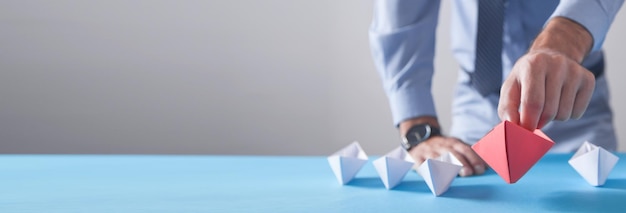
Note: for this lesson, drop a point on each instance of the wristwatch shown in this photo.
(417, 134)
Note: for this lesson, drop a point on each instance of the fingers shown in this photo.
(576, 94)
(418, 161)
(468, 169)
(508, 107)
(566, 104)
(544, 87)
(477, 164)
(583, 97)
(434, 147)
(554, 85)
(419, 155)
(532, 98)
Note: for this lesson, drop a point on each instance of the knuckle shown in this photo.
(431, 155)
(535, 69)
(559, 57)
(579, 74)
(543, 58)
(537, 58)
(590, 80)
(421, 148)
(532, 105)
(462, 147)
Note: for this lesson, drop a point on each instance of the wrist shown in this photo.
(418, 133)
(407, 124)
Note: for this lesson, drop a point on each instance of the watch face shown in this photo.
(422, 133)
(416, 134)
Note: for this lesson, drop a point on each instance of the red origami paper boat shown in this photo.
(512, 150)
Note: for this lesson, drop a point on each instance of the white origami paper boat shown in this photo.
(393, 167)
(593, 163)
(439, 173)
(346, 162)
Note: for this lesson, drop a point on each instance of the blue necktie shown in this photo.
(487, 76)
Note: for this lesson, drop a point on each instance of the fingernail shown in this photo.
(465, 172)
(479, 169)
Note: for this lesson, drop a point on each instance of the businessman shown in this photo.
(536, 63)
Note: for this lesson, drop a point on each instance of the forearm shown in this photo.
(564, 36)
(596, 16)
(402, 40)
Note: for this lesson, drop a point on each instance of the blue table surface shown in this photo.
(136, 183)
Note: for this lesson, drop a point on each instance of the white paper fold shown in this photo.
(439, 173)
(346, 162)
(593, 163)
(393, 167)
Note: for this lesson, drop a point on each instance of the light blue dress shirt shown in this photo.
(402, 40)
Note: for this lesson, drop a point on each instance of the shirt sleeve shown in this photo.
(402, 41)
(595, 15)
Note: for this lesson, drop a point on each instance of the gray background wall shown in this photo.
(207, 77)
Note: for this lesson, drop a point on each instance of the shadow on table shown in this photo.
(412, 186)
(405, 185)
(594, 199)
(583, 201)
(475, 192)
(366, 182)
(615, 184)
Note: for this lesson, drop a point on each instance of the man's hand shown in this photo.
(438, 145)
(545, 86)
(548, 83)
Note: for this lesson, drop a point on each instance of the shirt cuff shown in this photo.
(410, 101)
(595, 15)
